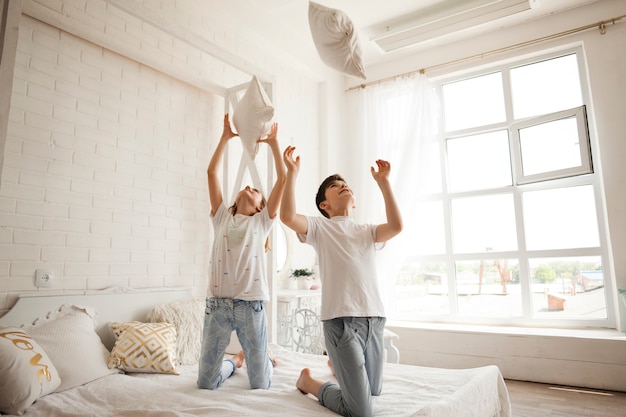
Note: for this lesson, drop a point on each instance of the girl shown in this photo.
(238, 282)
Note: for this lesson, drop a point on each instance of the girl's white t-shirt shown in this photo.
(237, 268)
(346, 253)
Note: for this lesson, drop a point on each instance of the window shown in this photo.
(513, 234)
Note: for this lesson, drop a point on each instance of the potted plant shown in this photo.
(302, 276)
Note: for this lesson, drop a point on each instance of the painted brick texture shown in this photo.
(104, 181)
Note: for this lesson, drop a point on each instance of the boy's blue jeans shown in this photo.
(355, 347)
(248, 319)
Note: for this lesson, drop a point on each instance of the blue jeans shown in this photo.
(356, 350)
(248, 319)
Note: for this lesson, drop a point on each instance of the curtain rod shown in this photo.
(600, 25)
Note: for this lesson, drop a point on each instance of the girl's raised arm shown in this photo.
(215, 187)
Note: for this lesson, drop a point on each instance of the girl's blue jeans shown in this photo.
(248, 319)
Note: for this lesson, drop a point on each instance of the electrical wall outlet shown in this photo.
(43, 278)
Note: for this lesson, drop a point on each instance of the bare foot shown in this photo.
(238, 358)
(273, 359)
(304, 380)
(307, 384)
(330, 365)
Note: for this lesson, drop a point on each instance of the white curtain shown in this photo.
(396, 121)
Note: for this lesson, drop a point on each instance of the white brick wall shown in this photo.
(104, 180)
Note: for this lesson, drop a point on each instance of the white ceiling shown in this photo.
(284, 23)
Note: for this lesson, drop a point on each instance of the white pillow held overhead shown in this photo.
(336, 40)
(253, 116)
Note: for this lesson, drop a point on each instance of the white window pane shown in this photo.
(429, 236)
(474, 102)
(479, 161)
(561, 218)
(483, 224)
(569, 287)
(546, 87)
(488, 288)
(550, 146)
(421, 289)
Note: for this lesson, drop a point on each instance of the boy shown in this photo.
(352, 312)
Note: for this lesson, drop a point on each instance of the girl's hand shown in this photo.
(272, 136)
(227, 132)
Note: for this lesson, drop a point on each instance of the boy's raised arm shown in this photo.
(386, 231)
(288, 215)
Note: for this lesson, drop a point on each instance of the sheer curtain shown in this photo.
(395, 121)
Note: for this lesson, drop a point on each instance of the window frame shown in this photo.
(584, 146)
(584, 175)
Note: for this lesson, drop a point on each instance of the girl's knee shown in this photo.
(207, 385)
(260, 384)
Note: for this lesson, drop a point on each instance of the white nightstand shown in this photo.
(299, 326)
(393, 354)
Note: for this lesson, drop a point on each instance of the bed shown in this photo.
(407, 390)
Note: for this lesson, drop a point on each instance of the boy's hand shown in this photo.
(293, 165)
(227, 132)
(384, 168)
(272, 137)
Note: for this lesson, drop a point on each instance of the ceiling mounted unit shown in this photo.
(457, 16)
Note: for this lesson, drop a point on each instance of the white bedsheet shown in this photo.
(407, 391)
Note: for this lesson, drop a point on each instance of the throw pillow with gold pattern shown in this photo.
(144, 347)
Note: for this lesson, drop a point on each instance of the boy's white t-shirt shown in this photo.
(346, 252)
(237, 267)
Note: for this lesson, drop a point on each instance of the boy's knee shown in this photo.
(365, 411)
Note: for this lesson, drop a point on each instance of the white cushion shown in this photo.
(26, 371)
(144, 347)
(69, 338)
(253, 116)
(336, 40)
(188, 318)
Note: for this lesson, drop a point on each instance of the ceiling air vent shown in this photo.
(455, 16)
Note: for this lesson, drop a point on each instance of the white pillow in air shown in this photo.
(336, 40)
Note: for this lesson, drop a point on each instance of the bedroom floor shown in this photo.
(530, 399)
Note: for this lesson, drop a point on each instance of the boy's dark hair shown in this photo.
(321, 192)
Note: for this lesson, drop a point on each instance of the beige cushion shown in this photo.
(253, 116)
(26, 371)
(188, 319)
(144, 347)
(69, 338)
(336, 40)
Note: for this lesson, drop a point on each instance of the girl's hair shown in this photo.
(233, 210)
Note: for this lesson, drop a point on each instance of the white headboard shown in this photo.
(110, 306)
